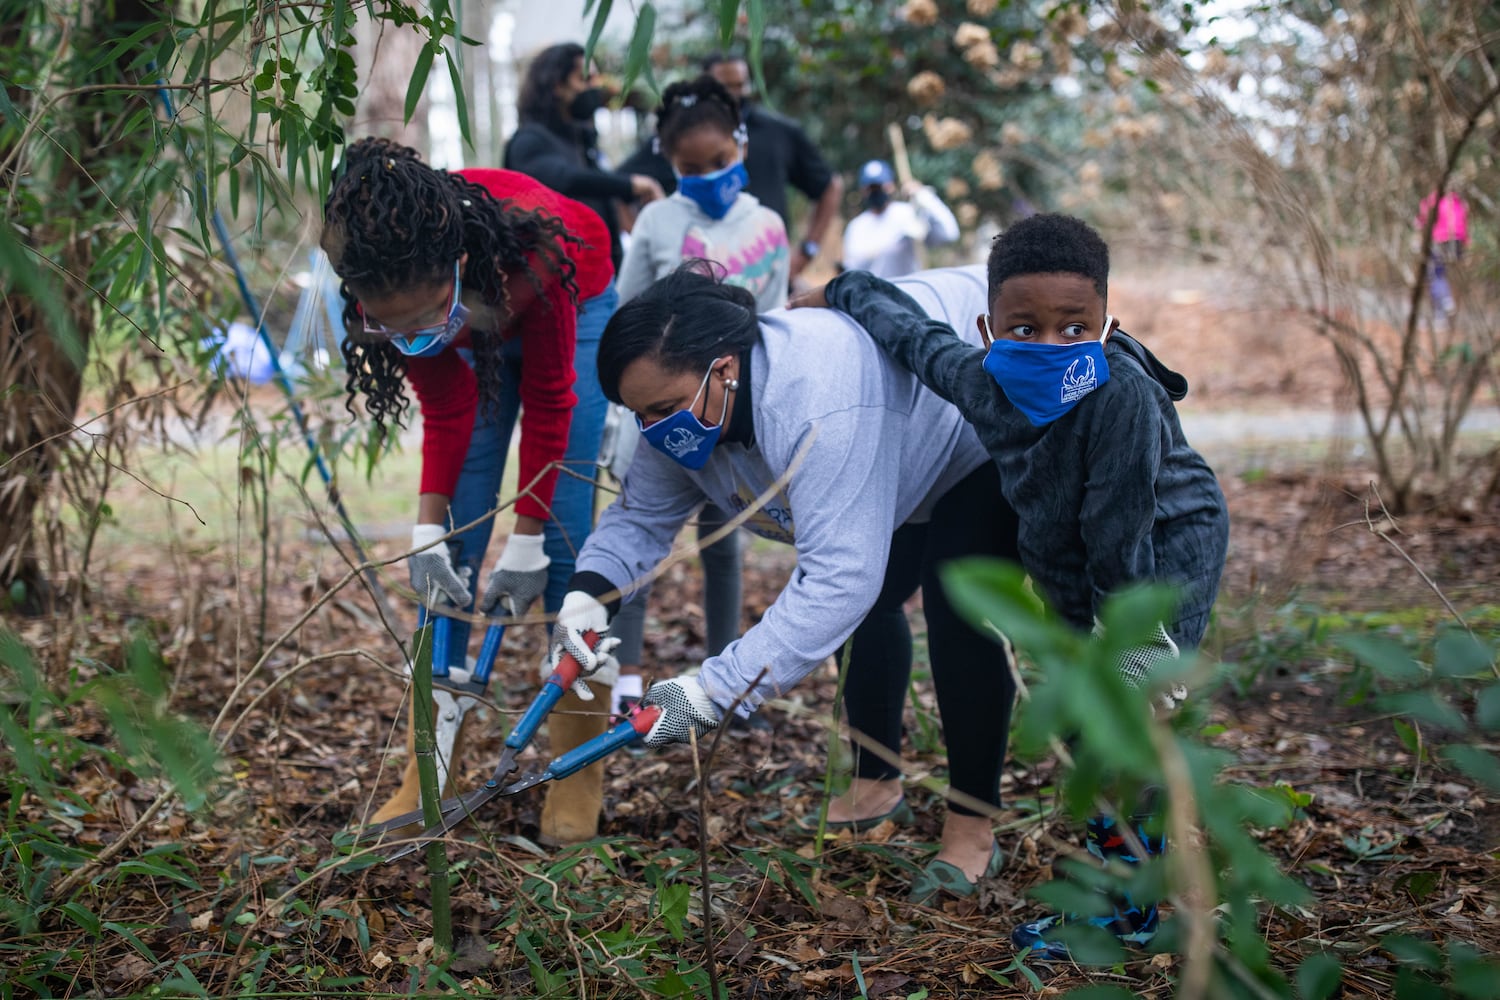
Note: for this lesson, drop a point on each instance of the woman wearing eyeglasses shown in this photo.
(474, 286)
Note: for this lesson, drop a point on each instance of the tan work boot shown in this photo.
(409, 796)
(570, 813)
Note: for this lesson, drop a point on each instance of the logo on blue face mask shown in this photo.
(681, 436)
(1045, 381)
(715, 193)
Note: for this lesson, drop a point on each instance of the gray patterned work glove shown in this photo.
(686, 710)
(519, 576)
(431, 570)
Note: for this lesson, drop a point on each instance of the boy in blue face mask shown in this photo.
(1080, 419)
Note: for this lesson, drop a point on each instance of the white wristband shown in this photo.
(423, 535)
(523, 553)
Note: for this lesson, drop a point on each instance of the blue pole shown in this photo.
(277, 372)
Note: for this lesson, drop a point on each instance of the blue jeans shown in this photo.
(484, 467)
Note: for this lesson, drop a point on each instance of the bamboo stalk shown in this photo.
(425, 741)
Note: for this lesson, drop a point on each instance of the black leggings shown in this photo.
(974, 685)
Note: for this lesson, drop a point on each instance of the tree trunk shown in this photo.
(65, 195)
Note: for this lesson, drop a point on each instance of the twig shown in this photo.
(323, 599)
(1385, 537)
(74, 428)
(286, 676)
(700, 769)
(1194, 900)
(67, 885)
(692, 548)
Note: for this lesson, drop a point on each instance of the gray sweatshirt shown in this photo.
(750, 243)
(880, 451)
(1109, 494)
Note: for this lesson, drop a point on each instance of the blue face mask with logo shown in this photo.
(1045, 381)
(715, 193)
(681, 436)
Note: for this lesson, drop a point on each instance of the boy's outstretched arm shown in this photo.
(926, 347)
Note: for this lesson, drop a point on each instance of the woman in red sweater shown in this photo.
(472, 286)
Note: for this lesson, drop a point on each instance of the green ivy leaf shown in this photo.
(1481, 765)
(1427, 706)
(1389, 659)
(1487, 708)
(1319, 976)
(1459, 654)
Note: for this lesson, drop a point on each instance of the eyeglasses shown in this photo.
(458, 315)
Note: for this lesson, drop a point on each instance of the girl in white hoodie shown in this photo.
(709, 217)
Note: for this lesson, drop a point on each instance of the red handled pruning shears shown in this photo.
(455, 811)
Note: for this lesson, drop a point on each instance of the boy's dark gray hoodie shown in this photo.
(1108, 495)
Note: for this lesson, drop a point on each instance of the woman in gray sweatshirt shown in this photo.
(873, 479)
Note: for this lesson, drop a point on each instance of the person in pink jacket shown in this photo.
(1450, 233)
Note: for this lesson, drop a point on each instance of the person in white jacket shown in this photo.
(885, 237)
(709, 217)
(875, 481)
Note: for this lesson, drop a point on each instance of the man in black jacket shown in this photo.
(557, 144)
(777, 153)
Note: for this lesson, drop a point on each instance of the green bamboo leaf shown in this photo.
(729, 12)
(10, 116)
(418, 79)
(1101, 991)
(455, 74)
(639, 53)
(135, 942)
(24, 273)
(140, 866)
(600, 17)
(757, 11)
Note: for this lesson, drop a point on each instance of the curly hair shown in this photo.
(391, 222)
(1050, 244)
(691, 104)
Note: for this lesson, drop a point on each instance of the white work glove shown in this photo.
(519, 576)
(431, 570)
(583, 613)
(1136, 664)
(686, 711)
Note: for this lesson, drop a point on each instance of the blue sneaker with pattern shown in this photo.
(1131, 924)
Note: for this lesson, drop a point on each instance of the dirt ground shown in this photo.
(326, 743)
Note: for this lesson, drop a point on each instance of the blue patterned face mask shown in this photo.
(1045, 381)
(715, 193)
(681, 436)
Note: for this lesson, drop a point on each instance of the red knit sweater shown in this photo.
(448, 393)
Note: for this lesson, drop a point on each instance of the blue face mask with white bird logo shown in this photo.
(1045, 381)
